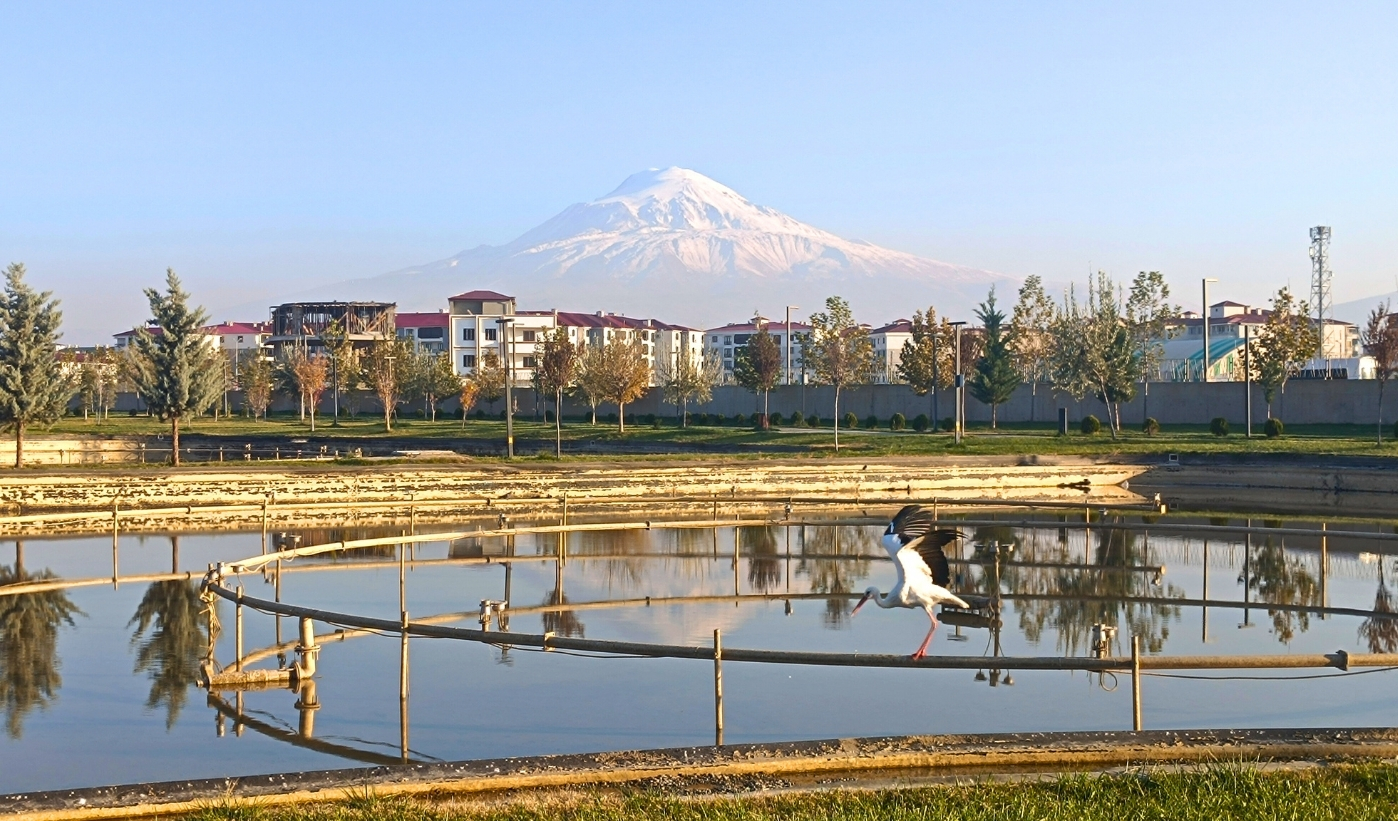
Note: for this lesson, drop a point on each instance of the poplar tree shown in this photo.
(33, 386)
(993, 381)
(1029, 335)
(177, 373)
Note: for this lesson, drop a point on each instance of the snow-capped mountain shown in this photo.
(673, 244)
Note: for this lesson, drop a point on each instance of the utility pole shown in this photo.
(505, 328)
(960, 420)
(1205, 328)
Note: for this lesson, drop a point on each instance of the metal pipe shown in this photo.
(238, 631)
(1136, 683)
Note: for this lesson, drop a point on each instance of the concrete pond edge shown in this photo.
(967, 755)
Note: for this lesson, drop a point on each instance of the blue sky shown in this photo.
(255, 145)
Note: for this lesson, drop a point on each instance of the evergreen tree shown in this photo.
(177, 373)
(994, 379)
(33, 386)
(758, 366)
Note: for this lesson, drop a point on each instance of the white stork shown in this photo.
(916, 548)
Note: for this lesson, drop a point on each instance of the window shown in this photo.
(742, 339)
(529, 337)
(728, 340)
(429, 333)
(530, 362)
(490, 334)
(240, 340)
(468, 334)
(468, 361)
(713, 339)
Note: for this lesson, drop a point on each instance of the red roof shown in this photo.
(897, 326)
(432, 319)
(239, 328)
(492, 295)
(577, 320)
(748, 327)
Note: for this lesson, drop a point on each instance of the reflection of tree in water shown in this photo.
(626, 573)
(759, 546)
(29, 661)
(1073, 615)
(1282, 579)
(562, 622)
(837, 576)
(170, 639)
(1381, 632)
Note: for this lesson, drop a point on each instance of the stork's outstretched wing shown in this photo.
(916, 531)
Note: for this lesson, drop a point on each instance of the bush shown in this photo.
(648, 419)
(1218, 426)
(1273, 428)
(502, 414)
(813, 421)
(1091, 425)
(774, 419)
(850, 421)
(1151, 427)
(654, 421)
(798, 419)
(739, 419)
(871, 422)
(921, 423)
(611, 418)
(897, 422)
(548, 416)
(420, 413)
(949, 424)
(480, 413)
(760, 421)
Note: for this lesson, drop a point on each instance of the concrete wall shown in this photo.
(1304, 401)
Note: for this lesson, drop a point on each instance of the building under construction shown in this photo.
(304, 323)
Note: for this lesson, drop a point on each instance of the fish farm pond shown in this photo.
(108, 643)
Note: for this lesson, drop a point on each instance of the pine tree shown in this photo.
(177, 373)
(33, 386)
(994, 379)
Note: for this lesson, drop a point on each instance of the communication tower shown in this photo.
(1321, 278)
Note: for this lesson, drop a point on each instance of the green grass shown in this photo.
(1354, 793)
(537, 437)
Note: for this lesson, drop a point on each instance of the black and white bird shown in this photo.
(923, 574)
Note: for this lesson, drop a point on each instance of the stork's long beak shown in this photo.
(861, 604)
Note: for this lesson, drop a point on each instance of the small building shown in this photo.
(723, 344)
(888, 344)
(425, 331)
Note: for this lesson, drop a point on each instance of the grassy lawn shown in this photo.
(1355, 793)
(532, 437)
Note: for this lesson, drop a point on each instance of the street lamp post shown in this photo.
(789, 309)
(505, 326)
(1247, 373)
(1205, 327)
(960, 421)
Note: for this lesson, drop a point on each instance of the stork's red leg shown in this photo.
(922, 650)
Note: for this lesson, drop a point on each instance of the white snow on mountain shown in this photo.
(673, 244)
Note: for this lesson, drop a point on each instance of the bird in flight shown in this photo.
(915, 545)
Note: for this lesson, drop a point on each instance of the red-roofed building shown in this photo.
(888, 344)
(427, 331)
(724, 344)
(230, 338)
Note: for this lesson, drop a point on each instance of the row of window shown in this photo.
(469, 361)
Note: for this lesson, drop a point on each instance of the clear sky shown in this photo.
(257, 147)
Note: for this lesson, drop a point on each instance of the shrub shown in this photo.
(897, 422)
(1273, 428)
(949, 424)
(850, 421)
(774, 419)
(759, 421)
(654, 421)
(480, 413)
(798, 419)
(921, 423)
(739, 419)
(1151, 427)
(1091, 425)
(548, 416)
(871, 422)
(813, 421)
(611, 418)
(131, 412)
(502, 414)
(648, 419)
(1218, 426)
(460, 413)
(420, 413)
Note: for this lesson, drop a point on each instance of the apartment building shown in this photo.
(725, 342)
(888, 344)
(425, 331)
(229, 338)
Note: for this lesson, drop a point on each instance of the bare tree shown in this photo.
(311, 372)
(838, 351)
(380, 370)
(683, 381)
(1381, 342)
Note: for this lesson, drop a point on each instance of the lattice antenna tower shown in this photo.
(1321, 281)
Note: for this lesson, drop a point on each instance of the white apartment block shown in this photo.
(229, 338)
(724, 344)
(888, 344)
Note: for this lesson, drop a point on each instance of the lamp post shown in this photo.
(960, 420)
(1247, 373)
(505, 325)
(789, 309)
(1205, 326)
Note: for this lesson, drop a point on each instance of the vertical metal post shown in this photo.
(116, 530)
(959, 422)
(238, 631)
(736, 557)
(1136, 683)
(402, 578)
(403, 691)
(718, 688)
(503, 344)
(1324, 569)
(1206, 591)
